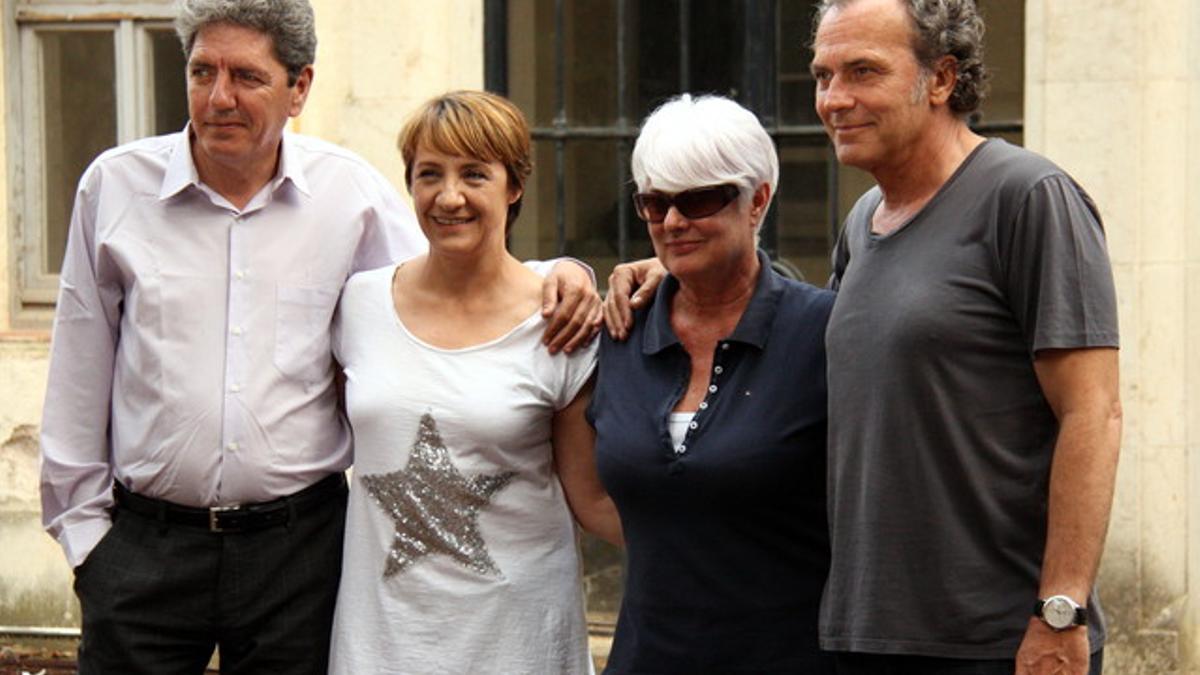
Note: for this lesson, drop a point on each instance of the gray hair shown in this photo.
(942, 28)
(289, 24)
(708, 140)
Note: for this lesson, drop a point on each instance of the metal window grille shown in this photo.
(763, 28)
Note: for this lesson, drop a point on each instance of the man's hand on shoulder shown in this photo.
(572, 305)
(1045, 651)
(642, 276)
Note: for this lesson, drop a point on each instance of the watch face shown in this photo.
(1058, 612)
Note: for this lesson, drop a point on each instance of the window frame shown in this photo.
(33, 289)
(759, 77)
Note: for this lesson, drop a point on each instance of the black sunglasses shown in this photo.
(701, 202)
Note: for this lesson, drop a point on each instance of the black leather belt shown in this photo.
(239, 518)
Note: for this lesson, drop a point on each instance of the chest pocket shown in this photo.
(302, 324)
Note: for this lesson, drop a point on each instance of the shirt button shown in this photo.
(712, 388)
(681, 449)
(724, 346)
(240, 274)
(235, 388)
(693, 425)
(718, 370)
(233, 446)
(704, 405)
(237, 330)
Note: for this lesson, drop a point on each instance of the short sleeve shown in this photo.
(573, 371)
(854, 228)
(1056, 270)
(543, 268)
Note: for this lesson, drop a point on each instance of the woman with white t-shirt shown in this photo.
(470, 437)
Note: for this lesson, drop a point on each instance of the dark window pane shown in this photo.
(531, 60)
(796, 91)
(170, 85)
(656, 73)
(802, 204)
(591, 58)
(716, 38)
(1005, 58)
(535, 232)
(80, 122)
(592, 196)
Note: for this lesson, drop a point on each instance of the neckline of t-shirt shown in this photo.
(937, 197)
(391, 308)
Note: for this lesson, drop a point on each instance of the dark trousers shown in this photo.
(853, 663)
(157, 597)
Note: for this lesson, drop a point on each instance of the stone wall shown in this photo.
(1111, 94)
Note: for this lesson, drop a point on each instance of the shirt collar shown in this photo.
(290, 166)
(752, 329)
(181, 168)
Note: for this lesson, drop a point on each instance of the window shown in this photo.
(586, 73)
(84, 79)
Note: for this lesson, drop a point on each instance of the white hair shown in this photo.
(708, 140)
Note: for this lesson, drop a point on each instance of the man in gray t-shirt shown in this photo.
(974, 414)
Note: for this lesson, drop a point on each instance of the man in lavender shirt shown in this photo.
(193, 451)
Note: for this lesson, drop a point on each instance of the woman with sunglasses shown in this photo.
(470, 437)
(710, 417)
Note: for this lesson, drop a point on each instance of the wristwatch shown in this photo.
(1060, 612)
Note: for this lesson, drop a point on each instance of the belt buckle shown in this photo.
(214, 512)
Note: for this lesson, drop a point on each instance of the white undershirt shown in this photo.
(677, 424)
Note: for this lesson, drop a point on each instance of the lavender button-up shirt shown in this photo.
(191, 357)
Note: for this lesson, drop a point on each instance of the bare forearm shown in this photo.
(1081, 491)
(599, 517)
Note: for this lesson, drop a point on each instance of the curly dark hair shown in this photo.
(942, 28)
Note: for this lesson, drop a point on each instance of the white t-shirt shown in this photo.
(461, 552)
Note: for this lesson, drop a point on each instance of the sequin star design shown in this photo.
(435, 508)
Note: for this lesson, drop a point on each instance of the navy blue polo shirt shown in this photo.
(727, 542)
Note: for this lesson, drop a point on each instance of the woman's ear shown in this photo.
(759, 203)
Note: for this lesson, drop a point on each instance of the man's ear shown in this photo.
(300, 90)
(942, 80)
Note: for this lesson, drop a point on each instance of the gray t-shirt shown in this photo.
(940, 438)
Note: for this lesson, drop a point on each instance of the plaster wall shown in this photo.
(377, 60)
(1112, 96)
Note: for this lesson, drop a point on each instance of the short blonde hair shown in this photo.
(472, 124)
